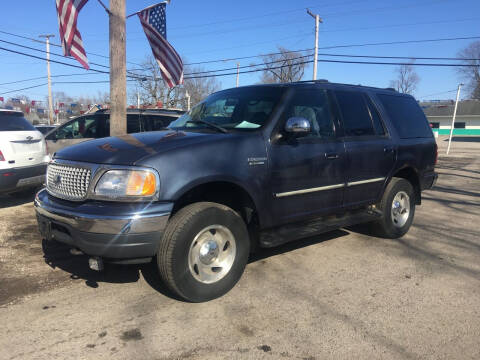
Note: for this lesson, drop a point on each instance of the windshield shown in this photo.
(236, 109)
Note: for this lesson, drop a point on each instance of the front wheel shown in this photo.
(204, 251)
(398, 208)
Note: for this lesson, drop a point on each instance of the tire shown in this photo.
(398, 208)
(203, 252)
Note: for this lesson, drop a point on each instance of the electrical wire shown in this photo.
(17, 90)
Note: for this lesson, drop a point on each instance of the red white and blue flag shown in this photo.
(154, 24)
(72, 44)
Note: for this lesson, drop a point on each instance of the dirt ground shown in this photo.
(343, 294)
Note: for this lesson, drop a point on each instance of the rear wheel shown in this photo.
(398, 208)
(204, 251)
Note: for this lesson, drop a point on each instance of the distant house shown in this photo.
(440, 113)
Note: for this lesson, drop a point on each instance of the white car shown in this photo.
(23, 153)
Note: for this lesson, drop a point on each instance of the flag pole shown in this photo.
(148, 7)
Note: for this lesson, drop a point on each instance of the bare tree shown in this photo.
(283, 67)
(407, 79)
(152, 89)
(471, 74)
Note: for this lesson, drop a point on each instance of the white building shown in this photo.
(440, 113)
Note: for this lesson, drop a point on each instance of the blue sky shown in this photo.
(215, 29)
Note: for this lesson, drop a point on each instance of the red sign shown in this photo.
(33, 102)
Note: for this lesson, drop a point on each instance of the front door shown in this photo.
(370, 151)
(307, 172)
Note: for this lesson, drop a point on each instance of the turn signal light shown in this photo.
(2, 158)
(141, 183)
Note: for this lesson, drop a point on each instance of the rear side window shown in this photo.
(15, 123)
(355, 114)
(407, 117)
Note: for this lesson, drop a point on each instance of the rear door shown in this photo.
(370, 151)
(81, 129)
(20, 143)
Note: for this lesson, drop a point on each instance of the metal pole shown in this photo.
(453, 119)
(238, 73)
(50, 101)
(318, 20)
(187, 95)
(315, 57)
(118, 69)
(138, 99)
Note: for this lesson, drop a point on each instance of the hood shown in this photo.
(131, 148)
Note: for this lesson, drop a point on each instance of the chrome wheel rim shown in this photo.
(400, 209)
(212, 254)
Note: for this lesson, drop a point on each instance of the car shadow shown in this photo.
(264, 253)
(20, 198)
(465, 138)
(58, 256)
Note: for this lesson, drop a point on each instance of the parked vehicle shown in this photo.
(44, 129)
(248, 167)
(97, 125)
(23, 153)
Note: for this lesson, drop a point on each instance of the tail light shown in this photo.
(46, 147)
(436, 154)
(2, 158)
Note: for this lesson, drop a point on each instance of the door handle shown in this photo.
(331, 156)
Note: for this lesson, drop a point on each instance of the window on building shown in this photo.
(459, 125)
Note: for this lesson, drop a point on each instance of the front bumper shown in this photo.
(106, 229)
(17, 178)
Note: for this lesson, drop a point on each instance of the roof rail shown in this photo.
(391, 89)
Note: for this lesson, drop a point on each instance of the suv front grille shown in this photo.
(68, 182)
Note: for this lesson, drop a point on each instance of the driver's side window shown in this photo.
(314, 106)
(81, 128)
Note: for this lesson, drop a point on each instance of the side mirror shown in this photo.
(297, 126)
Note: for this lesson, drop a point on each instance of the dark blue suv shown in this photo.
(249, 167)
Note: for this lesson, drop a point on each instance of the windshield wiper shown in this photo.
(209, 124)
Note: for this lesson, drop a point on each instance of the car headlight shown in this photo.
(127, 184)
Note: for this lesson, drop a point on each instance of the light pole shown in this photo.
(318, 20)
(453, 119)
(238, 73)
(50, 101)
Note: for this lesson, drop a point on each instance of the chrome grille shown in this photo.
(68, 181)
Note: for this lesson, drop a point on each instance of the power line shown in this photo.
(30, 87)
(338, 46)
(58, 62)
(398, 57)
(43, 77)
(439, 93)
(59, 46)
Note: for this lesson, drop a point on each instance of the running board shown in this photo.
(283, 234)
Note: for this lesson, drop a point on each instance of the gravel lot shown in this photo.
(340, 295)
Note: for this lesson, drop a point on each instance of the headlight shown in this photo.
(127, 183)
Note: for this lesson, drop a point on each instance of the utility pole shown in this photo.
(50, 101)
(318, 20)
(238, 73)
(454, 116)
(118, 69)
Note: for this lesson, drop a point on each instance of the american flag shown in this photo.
(154, 24)
(67, 11)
